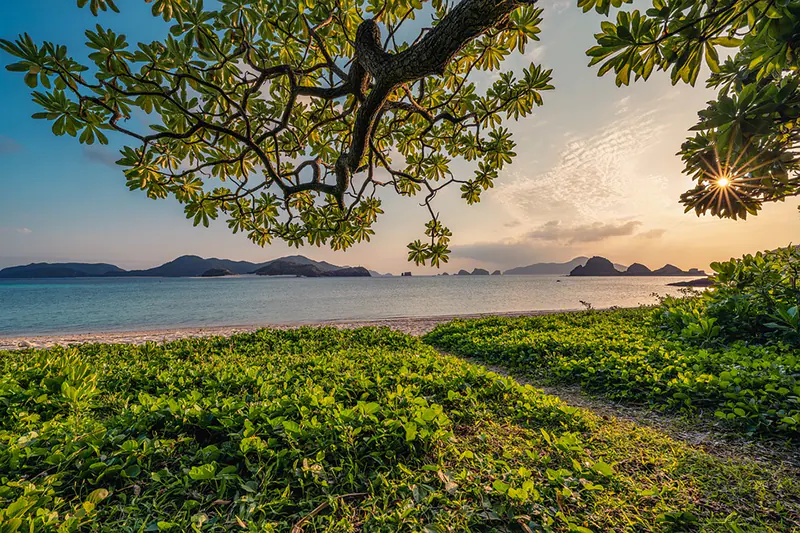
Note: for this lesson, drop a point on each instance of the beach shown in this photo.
(409, 325)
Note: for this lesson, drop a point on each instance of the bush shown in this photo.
(754, 299)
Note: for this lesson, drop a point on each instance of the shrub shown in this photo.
(754, 299)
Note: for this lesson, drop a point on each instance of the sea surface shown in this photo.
(93, 305)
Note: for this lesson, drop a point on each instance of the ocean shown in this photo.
(93, 305)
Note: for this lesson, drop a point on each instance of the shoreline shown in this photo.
(409, 325)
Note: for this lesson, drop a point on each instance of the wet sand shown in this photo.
(410, 325)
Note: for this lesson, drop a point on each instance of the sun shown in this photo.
(723, 181)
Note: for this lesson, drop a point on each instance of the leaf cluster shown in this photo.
(743, 154)
(263, 112)
(755, 299)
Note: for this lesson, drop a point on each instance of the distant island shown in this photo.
(61, 270)
(545, 269)
(552, 269)
(216, 273)
(189, 266)
(700, 282)
(283, 267)
(600, 266)
(298, 265)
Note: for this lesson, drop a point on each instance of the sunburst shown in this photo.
(732, 183)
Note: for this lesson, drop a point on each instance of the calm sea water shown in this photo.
(126, 304)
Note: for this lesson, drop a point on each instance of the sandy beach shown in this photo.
(410, 325)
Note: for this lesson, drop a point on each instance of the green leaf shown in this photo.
(603, 468)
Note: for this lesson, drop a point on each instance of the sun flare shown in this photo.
(724, 181)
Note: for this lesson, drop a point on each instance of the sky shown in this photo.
(596, 174)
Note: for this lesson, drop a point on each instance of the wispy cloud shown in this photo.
(9, 145)
(502, 254)
(21, 231)
(101, 154)
(652, 234)
(536, 53)
(556, 231)
(556, 6)
(595, 174)
(553, 240)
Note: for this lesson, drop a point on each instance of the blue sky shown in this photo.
(596, 174)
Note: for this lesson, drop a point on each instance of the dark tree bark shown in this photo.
(429, 56)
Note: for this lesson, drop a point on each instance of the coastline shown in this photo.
(409, 325)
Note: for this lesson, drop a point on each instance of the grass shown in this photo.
(621, 354)
(341, 431)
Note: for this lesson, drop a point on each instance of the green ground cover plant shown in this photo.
(327, 430)
(625, 354)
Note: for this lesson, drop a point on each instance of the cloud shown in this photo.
(101, 154)
(536, 53)
(21, 231)
(504, 254)
(593, 175)
(557, 6)
(555, 231)
(9, 145)
(552, 241)
(652, 234)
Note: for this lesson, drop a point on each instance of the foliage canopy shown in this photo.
(744, 151)
(289, 116)
(755, 299)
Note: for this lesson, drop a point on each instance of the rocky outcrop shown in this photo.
(668, 270)
(462, 272)
(289, 268)
(600, 266)
(702, 282)
(216, 273)
(672, 270)
(347, 272)
(548, 268)
(596, 266)
(60, 270)
(479, 272)
(638, 269)
(497, 273)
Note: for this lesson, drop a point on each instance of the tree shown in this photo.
(744, 153)
(300, 110)
(288, 115)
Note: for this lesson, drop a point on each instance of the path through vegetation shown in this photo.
(692, 430)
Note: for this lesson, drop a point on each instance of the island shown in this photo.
(216, 273)
(596, 266)
(600, 266)
(347, 272)
(189, 266)
(290, 268)
(60, 270)
(702, 282)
